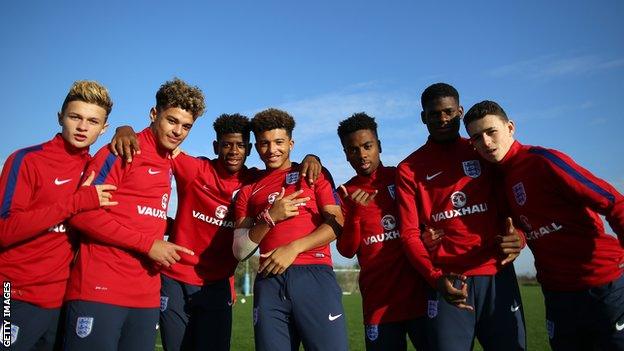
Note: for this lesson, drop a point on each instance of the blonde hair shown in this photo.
(177, 93)
(91, 92)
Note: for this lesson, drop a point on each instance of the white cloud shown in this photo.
(551, 66)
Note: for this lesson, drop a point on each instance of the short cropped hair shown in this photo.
(177, 93)
(357, 121)
(482, 109)
(438, 91)
(234, 123)
(91, 92)
(272, 118)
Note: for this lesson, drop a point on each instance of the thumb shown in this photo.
(281, 194)
(89, 179)
(510, 227)
(344, 191)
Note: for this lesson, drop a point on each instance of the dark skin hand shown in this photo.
(510, 242)
(454, 289)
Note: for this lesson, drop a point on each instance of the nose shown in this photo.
(487, 141)
(177, 130)
(82, 125)
(362, 153)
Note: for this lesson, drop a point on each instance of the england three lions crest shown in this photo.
(472, 168)
(84, 325)
(519, 193)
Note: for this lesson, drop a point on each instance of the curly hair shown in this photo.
(272, 118)
(91, 92)
(437, 91)
(482, 109)
(177, 93)
(357, 121)
(234, 123)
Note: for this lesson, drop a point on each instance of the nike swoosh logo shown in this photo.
(150, 171)
(333, 318)
(516, 308)
(61, 182)
(255, 191)
(429, 177)
(230, 303)
(619, 326)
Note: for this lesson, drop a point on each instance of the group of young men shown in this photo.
(82, 239)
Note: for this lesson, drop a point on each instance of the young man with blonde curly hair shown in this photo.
(113, 293)
(296, 297)
(40, 189)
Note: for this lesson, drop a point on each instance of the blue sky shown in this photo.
(557, 67)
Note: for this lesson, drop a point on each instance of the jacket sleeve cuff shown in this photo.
(86, 198)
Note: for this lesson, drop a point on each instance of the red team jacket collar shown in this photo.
(151, 143)
(369, 179)
(508, 160)
(58, 142)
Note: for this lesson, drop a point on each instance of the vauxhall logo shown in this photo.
(459, 201)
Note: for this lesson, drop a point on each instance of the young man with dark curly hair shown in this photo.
(296, 296)
(558, 204)
(113, 294)
(393, 293)
(196, 293)
(40, 188)
(444, 186)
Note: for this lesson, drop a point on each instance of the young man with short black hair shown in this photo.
(393, 293)
(558, 204)
(296, 296)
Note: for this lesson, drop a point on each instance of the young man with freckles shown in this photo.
(40, 188)
(444, 186)
(196, 294)
(558, 204)
(296, 296)
(113, 295)
(393, 293)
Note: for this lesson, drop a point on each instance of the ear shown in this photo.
(512, 127)
(215, 147)
(104, 129)
(248, 149)
(422, 117)
(379, 145)
(153, 114)
(60, 118)
(461, 111)
(292, 144)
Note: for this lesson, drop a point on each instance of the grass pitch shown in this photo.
(242, 328)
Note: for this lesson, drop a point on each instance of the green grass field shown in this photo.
(242, 331)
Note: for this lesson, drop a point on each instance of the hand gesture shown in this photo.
(510, 242)
(455, 290)
(285, 207)
(124, 143)
(277, 260)
(359, 196)
(431, 238)
(166, 253)
(104, 191)
(310, 167)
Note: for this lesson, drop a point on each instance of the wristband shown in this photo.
(266, 217)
